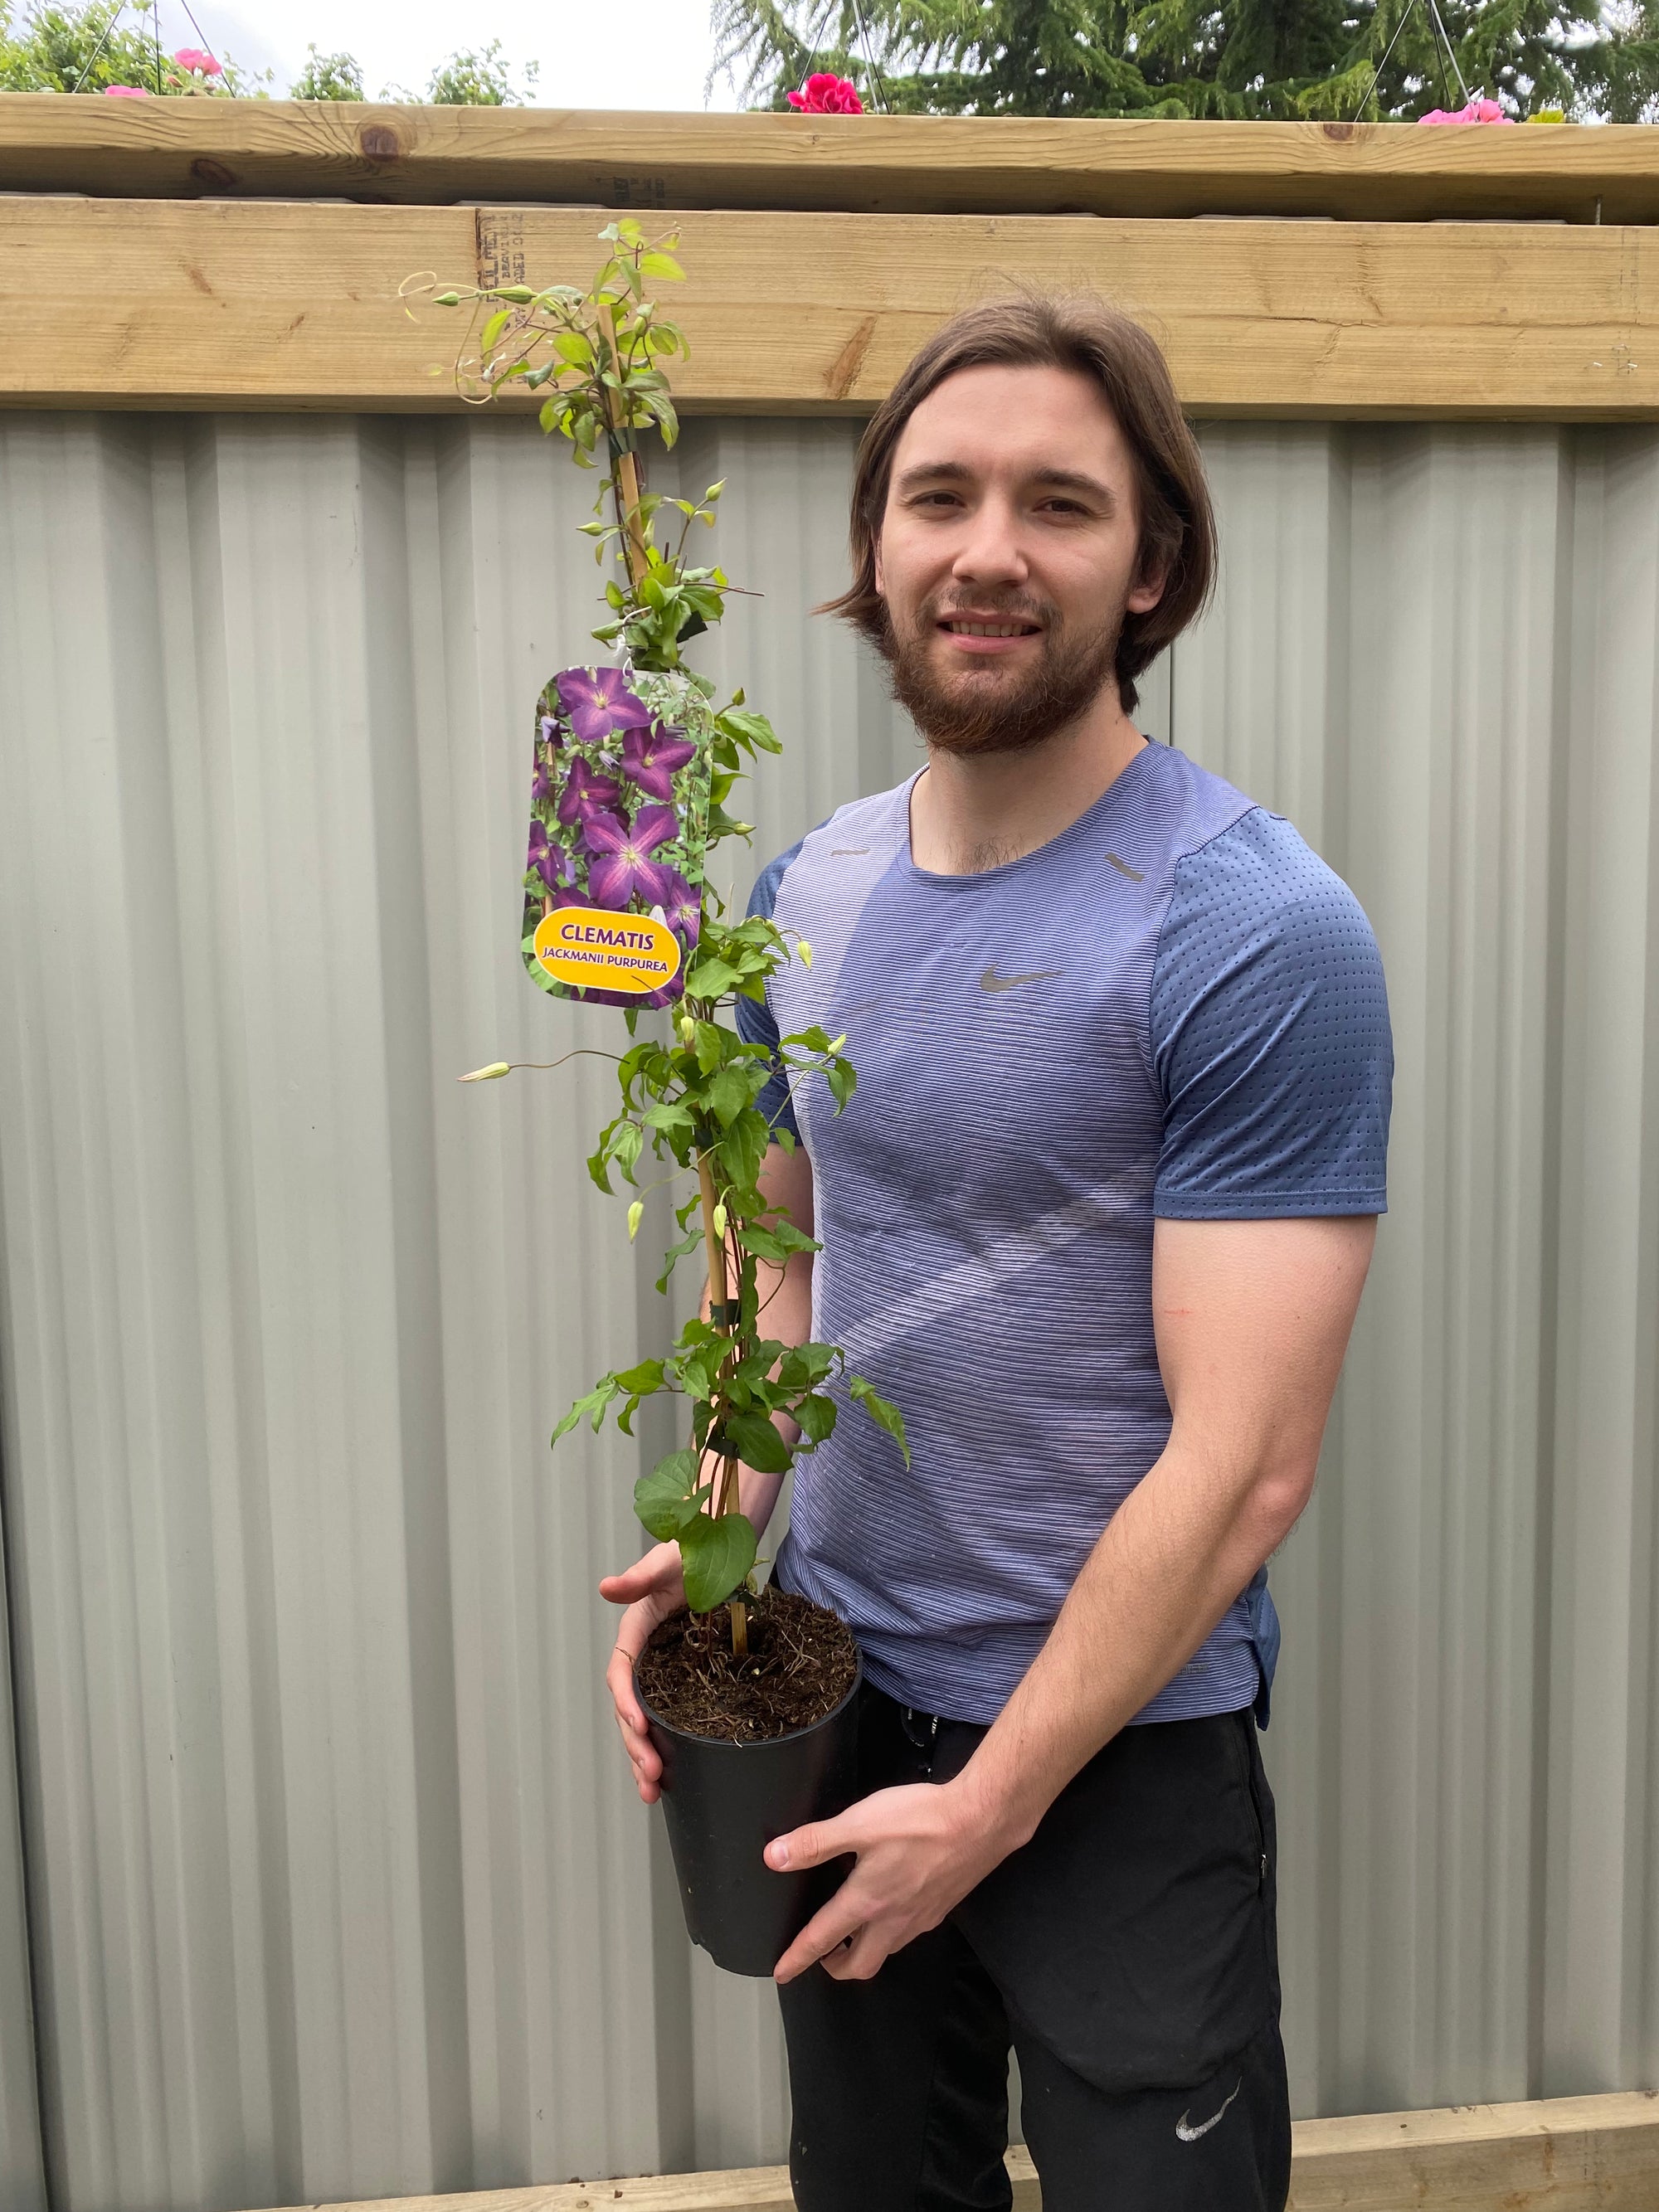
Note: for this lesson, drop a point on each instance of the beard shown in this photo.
(992, 709)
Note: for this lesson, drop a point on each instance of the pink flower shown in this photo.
(1478, 111)
(825, 95)
(126, 92)
(201, 64)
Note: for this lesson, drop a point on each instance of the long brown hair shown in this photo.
(1080, 332)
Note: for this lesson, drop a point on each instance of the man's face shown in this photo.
(1007, 557)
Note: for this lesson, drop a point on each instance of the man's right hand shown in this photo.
(651, 1588)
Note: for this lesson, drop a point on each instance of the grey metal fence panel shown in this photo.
(338, 1888)
(22, 2169)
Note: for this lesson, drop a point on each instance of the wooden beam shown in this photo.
(217, 304)
(940, 165)
(1565, 2154)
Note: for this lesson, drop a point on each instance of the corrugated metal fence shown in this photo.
(334, 1884)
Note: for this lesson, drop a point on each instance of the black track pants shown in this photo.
(1127, 1952)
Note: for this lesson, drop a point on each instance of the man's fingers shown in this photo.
(629, 1587)
(861, 1960)
(810, 1847)
(619, 1680)
(827, 1928)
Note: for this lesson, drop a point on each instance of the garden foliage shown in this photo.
(1243, 59)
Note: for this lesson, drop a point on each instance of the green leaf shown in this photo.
(640, 1381)
(592, 1406)
(710, 978)
(727, 1092)
(493, 329)
(817, 1416)
(677, 1252)
(669, 1116)
(717, 1555)
(880, 1411)
(807, 1364)
(842, 1080)
(752, 730)
(661, 264)
(665, 1500)
(710, 1041)
(756, 1442)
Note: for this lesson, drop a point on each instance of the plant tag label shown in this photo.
(590, 947)
(618, 836)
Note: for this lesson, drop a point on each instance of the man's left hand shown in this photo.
(921, 1849)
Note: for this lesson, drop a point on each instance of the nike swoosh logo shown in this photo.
(1135, 875)
(990, 980)
(847, 851)
(1188, 2133)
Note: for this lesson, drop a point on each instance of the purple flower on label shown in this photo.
(621, 867)
(549, 741)
(597, 701)
(607, 823)
(683, 909)
(649, 759)
(587, 793)
(549, 861)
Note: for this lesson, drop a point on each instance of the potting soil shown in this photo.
(800, 1664)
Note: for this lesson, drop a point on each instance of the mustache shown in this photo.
(988, 606)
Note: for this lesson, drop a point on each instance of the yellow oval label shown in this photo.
(593, 948)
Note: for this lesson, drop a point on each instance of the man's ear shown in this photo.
(1148, 593)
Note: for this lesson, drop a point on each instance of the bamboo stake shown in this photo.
(725, 1498)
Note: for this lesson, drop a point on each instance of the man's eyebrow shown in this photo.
(920, 472)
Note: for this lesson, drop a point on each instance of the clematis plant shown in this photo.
(690, 1097)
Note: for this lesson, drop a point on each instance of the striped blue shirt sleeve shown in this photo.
(1270, 1036)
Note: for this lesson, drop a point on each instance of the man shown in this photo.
(1097, 1219)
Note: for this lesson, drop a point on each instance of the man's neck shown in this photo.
(977, 810)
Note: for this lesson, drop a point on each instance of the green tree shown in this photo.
(69, 48)
(89, 46)
(471, 79)
(328, 76)
(1244, 59)
(1626, 87)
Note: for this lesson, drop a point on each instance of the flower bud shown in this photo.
(806, 952)
(635, 1215)
(720, 1218)
(488, 1074)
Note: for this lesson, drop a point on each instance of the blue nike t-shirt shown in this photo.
(1174, 1008)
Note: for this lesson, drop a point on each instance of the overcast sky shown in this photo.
(632, 53)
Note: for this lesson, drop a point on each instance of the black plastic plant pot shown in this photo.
(725, 1802)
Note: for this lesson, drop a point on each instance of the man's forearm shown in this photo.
(1172, 1559)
